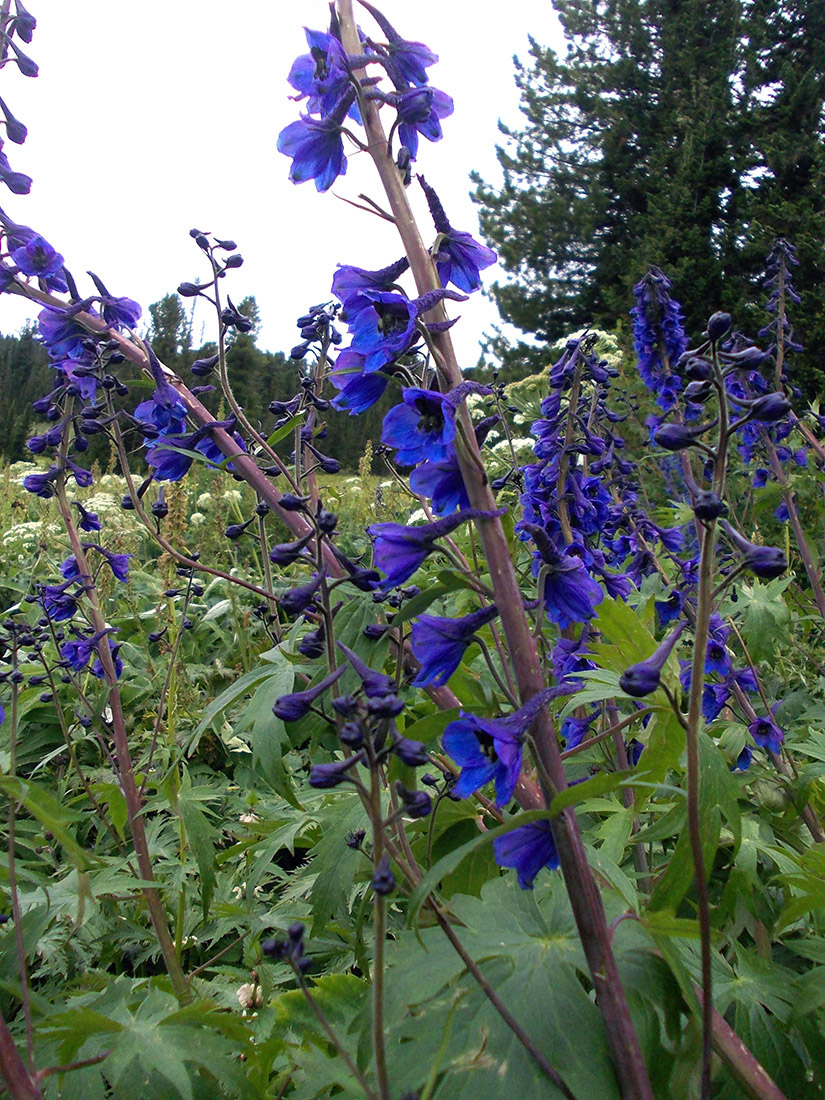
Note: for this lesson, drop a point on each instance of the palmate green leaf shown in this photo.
(528, 948)
(316, 1066)
(628, 639)
(335, 865)
(599, 784)
(267, 734)
(53, 815)
(765, 615)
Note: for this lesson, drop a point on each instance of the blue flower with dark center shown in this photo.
(527, 849)
(321, 76)
(459, 258)
(399, 551)
(717, 658)
(670, 608)
(440, 643)
(490, 749)
(37, 258)
(767, 734)
(422, 428)
(389, 329)
(442, 482)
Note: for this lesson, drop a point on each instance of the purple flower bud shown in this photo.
(412, 753)
(416, 803)
(324, 776)
(643, 678)
(770, 408)
(385, 706)
(383, 880)
(698, 391)
(718, 325)
(289, 708)
(352, 734)
(285, 553)
(676, 437)
(298, 599)
(766, 562)
(708, 505)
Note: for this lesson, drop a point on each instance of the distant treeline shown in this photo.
(257, 378)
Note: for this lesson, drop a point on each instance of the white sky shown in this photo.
(148, 119)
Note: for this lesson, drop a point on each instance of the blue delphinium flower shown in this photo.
(359, 388)
(459, 258)
(658, 336)
(316, 147)
(399, 550)
(743, 760)
(409, 61)
(767, 734)
(349, 284)
(321, 76)
(420, 111)
(527, 849)
(441, 482)
(422, 428)
(440, 643)
(490, 749)
(389, 329)
(570, 593)
(37, 258)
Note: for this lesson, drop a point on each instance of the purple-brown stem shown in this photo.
(584, 894)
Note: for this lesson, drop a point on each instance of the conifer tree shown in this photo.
(674, 133)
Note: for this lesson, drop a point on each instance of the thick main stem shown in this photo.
(584, 894)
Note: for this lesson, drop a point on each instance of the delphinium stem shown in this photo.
(125, 770)
(380, 935)
(15, 897)
(694, 723)
(585, 898)
(19, 1082)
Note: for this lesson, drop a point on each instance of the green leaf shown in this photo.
(52, 814)
(287, 429)
(431, 727)
(201, 835)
